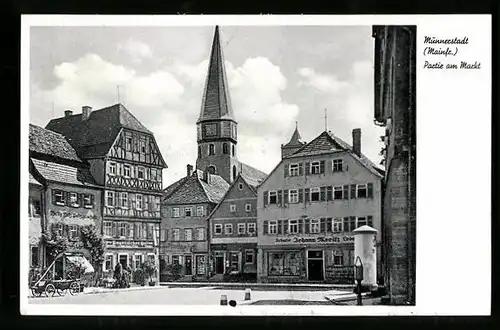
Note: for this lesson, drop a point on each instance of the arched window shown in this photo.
(225, 148)
(211, 149)
(234, 172)
(212, 169)
(233, 149)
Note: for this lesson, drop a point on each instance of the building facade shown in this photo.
(233, 231)
(184, 227)
(395, 90)
(126, 161)
(66, 200)
(308, 207)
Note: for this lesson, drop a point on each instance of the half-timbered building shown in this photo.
(126, 160)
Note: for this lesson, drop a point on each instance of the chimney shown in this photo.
(189, 169)
(68, 113)
(356, 141)
(86, 110)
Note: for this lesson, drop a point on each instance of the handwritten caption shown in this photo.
(449, 49)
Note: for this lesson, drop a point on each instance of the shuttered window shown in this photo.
(370, 190)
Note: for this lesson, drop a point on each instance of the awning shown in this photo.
(81, 261)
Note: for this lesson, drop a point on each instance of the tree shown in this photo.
(55, 244)
(93, 242)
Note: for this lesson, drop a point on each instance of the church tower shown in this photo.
(216, 125)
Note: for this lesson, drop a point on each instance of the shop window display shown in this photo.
(284, 264)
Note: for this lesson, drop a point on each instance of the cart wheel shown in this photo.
(61, 292)
(33, 292)
(74, 288)
(50, 290)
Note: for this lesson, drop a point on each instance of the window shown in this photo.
(293, 170)
(157, 203)
(201, 262)
(200, 234)
(218, 229)
(126, 170)
(188, 211)
(337, 165)
(59, 197)
(35, 207)
(249, 257)
(140, 173)
(314, 226)
(211, 149)
(337, 225)
(240, 186)
(285, 263)
(241, 228)
(123, 229)
(225, 148)
(199, 151)
(129, 143)
(176, 260)
(175, 234)
(228, 228)
(150, 230)
(73, 232)
(137, 261)
(361, 222)
(112, 168)
(143, 146)
(315, 195)
(188, 234)
(251, 227)
(138, 202)
(293, 226)
(248, 207)
(175, 212)
(146, 202)
(338, 258)
(212, 169)
(273, 227)
(361, 191)
(58, 229)
(108, 262)
(108, 228)
(199, 211)
(87, 201)
(131, 230)
(73, 199)
(110, 198)
(273, 197)
(338, 192)
(232, 149)
(315, 168)
(293, 196)
(232, 208)
(124, 200)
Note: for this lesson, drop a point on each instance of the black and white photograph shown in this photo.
(229, 166)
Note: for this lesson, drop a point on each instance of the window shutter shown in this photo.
(301, 169)
(322, 167)
(370, 190)
(280, 197)
(342, 167)
(114, 229)
(301, 226)
(265, 197)
(117, 198)
(301, 195)
(328, 225)
(286, 170)
(322, 194)
(370, 221)
(54, 196)
(353, 191)
(329, 193)
(346, 191)
(92, 200)
(280, 227)
(266, 227)
(346, 224)
(306, 197)
(80, 199)
(308, 169)
(306, 226)
(322, 225)
(181, 211)
(66, 198)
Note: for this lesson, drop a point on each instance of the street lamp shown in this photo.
(358, 276)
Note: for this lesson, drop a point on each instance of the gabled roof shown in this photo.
(252, 175)
(194, 189)
(64, 173)
(216, 102)
(49, 143)
(34, 181)
(94, 137)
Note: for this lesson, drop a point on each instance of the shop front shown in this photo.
(234, 259)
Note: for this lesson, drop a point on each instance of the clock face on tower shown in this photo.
(210, 130)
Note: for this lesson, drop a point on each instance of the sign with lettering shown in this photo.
(129, 244)
(315, 240)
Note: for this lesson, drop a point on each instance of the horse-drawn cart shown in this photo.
(48, 284)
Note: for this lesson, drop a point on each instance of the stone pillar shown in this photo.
(365, 239)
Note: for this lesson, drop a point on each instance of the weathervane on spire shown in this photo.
(326, 120)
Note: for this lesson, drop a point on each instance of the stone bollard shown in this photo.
(247, 294)
(223, 300)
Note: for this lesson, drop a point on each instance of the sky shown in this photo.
(278, 75)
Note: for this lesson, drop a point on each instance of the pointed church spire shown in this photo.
(216, 103)
(296, 139)
(294, 144)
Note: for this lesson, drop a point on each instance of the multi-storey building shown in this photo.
(66, 198)
(308, 207)
(126, 160)
(184, 229)
(233, 230)
(395, 86)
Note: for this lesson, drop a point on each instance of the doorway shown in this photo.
(219, 263)
(188, 265)
(315, 265)
(123, 259)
